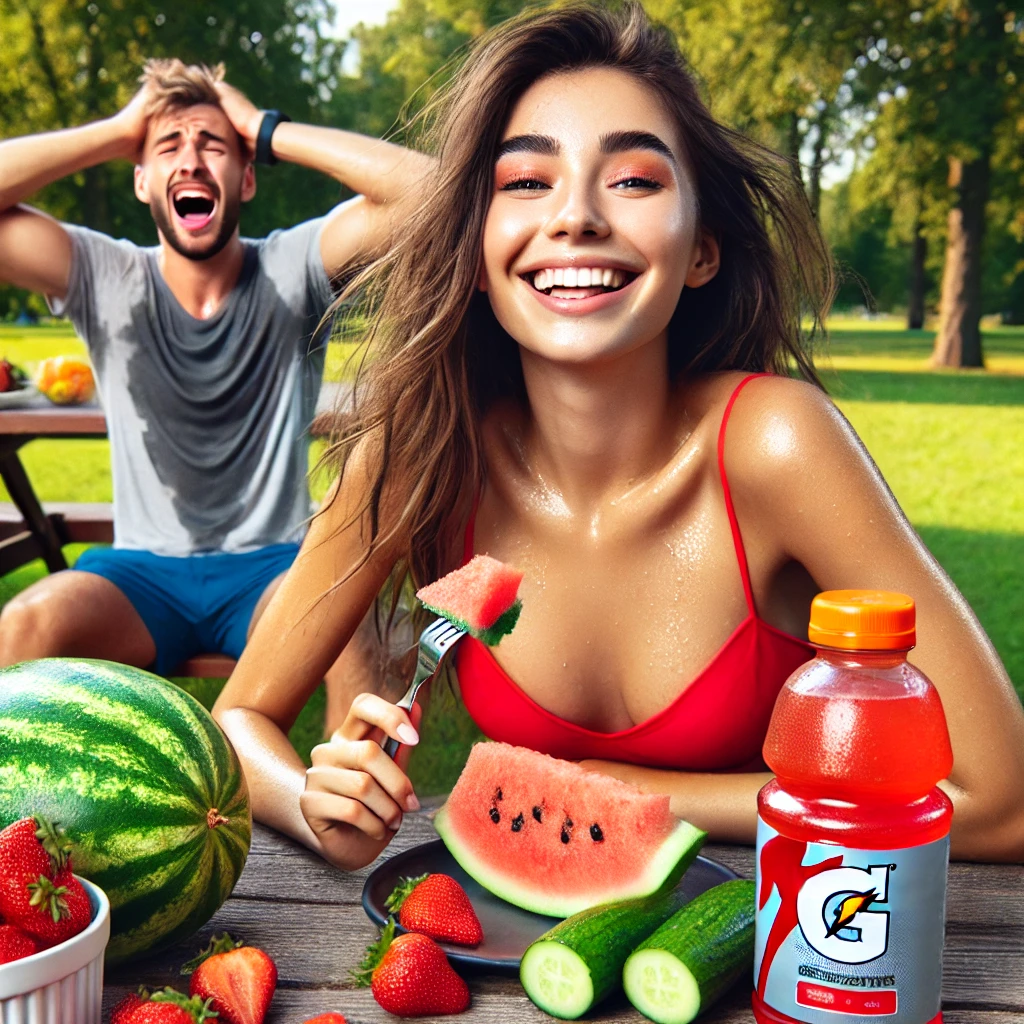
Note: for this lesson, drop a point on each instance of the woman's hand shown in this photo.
(355, 795)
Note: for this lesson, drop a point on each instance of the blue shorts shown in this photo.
(194, 605)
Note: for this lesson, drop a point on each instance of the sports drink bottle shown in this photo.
(853, 833)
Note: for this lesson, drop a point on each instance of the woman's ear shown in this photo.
(707, 258)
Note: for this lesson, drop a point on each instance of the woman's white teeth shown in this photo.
(578, 277)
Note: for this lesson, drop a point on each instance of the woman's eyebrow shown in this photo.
(619, 142)
(542, 144)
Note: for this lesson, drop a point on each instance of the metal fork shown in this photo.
(435, 642)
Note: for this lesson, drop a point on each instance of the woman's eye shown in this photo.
(524, 184)
(637, 182)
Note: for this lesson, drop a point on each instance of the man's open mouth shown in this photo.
(194, 208)
(578, 282)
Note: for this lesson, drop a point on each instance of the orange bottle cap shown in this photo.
(863, 620)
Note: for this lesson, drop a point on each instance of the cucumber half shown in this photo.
(699, 952)
(557, 979)
(661, 987)
(578, 962)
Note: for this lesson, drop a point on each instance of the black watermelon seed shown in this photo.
(565, 836)
(596, 834)
(536, 814)
(495, 816)
(497, 795)
(517, 822)
(567, 823)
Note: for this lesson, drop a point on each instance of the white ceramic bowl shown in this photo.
(63, 984)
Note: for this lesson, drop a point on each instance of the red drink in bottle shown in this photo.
(853, 834)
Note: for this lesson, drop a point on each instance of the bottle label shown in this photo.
(854, 933)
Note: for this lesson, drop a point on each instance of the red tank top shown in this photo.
(718, 722)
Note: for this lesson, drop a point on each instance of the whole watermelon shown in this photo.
(143, 780)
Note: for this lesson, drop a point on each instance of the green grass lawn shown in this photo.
(948, 443)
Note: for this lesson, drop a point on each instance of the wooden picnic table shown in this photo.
(308, 916)
(34, 532)
(40, 534)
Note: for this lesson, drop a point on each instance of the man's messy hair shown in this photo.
(174, 85)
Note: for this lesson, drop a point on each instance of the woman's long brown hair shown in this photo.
(439, 358)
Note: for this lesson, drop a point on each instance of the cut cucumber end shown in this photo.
(557, 980)
(661, 987)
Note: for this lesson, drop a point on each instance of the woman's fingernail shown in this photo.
(411, 803)
(407, 734)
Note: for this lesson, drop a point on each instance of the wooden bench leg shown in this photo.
(20, 489)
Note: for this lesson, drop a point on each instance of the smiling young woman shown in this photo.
(583, 344)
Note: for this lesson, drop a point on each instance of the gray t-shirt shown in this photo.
(207, 418)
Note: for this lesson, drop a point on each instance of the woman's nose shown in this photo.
(578, 215)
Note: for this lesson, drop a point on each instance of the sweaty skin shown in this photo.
(605, 492)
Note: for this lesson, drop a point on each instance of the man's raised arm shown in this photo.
(386, 177)
(35, 251)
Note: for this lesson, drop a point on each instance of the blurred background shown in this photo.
(905, 116)
(904, 121)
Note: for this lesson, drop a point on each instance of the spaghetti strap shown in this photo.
(737, 539)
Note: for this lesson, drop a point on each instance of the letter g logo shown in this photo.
(835, 910)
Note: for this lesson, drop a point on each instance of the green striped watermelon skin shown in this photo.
(145, 783)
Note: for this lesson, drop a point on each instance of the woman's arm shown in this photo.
(343, 806)
(805, 490)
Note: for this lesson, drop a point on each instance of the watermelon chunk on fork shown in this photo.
(479, 598)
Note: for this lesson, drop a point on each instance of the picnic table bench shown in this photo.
(307, 915)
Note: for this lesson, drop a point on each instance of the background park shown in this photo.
(904, 121)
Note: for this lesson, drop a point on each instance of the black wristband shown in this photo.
(264, 150)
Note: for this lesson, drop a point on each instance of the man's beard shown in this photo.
(231, 212)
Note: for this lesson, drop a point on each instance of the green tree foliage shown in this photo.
(907, 84)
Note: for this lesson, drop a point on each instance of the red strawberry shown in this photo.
(165, 1007)
(410, 976)
(38, 892)
(57, 909)
(29, 848)
(438, 906)
(327, 1018)
(15, 944)
(124, 1009)
(239, 979)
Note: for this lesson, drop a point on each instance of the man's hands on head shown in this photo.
(132, 121)
(244, 115)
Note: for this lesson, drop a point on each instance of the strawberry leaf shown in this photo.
(222, 943)
(49, 898)
(401, 893)
(53, 840)
(194, 1005)
(363, 974)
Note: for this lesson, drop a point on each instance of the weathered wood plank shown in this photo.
(495, 1001)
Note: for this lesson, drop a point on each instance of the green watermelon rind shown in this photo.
(502, 625)
(130, 770)
(674, 855)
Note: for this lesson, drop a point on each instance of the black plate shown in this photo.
(507, 929)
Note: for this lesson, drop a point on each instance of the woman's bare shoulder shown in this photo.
(780, 426)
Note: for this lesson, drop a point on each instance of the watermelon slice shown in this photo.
(554, 838)
(479, 598)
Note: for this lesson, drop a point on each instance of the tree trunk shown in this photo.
(817, 165)
(958, 342)
(915, 303)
